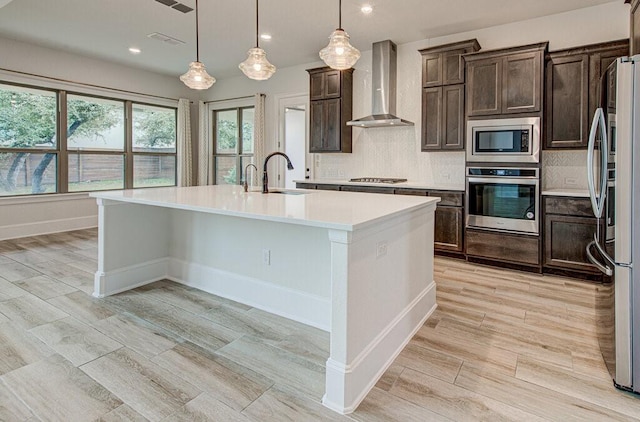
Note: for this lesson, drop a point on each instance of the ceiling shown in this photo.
(105, 29)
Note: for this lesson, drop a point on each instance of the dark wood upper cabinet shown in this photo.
(331, 94)
(443, 78)
(324, 84)
(567, 105)
(504, 82)
(443, 65)
(484, 84)
(572, 91)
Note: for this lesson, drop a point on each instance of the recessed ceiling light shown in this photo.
(134, 50)
(265, 37)
(366, 9)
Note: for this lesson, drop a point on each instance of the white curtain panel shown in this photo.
(185, 156)
(204, 146)
(259, 131)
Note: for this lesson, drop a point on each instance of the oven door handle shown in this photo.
(504, 180)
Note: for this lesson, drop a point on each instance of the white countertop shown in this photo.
(317, 208)
(408, 184)
(580, 193)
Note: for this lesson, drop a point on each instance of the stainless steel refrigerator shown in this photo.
(614, 184)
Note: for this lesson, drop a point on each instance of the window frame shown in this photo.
(238, 155)
(63, 153)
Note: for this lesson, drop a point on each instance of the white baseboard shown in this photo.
(354, 381)
(292, 304)
(130, 277)
(47, 227)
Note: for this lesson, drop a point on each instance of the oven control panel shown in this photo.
(502, 172)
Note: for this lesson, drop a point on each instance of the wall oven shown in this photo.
(504, 140)
(503, 199)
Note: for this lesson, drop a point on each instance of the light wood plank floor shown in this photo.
(502, 345)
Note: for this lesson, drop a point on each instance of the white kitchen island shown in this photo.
(355, 264)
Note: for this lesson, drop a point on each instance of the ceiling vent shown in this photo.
(180, 7)
(165, 38)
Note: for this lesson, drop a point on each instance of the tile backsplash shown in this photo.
(564, 169)
(393, 152)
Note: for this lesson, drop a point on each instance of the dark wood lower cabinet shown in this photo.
(449, 228)
(566, 238)
(569, 226)
(503, 247)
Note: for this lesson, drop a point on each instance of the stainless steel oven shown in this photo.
(514, 140)
(503, 199)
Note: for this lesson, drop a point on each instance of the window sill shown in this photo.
(54, 197)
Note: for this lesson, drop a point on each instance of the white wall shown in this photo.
(395, 152)
(21, 217)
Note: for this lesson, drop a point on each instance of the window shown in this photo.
(104, 143)
(154, 146)
(232, 143)
(28, 141)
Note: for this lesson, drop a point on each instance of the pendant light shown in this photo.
(257, 66)
(197, 76)
(339, 54)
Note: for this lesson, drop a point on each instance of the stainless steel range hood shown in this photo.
(383, 85)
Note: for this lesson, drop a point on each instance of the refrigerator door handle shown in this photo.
(602, 267)
(597, 203)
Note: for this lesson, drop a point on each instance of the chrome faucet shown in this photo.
(246, 184)
(265, 177)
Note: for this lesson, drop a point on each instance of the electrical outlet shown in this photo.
(381, 250)
(445, 176)
(266, 257)
(570, 181)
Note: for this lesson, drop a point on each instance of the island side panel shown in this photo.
(382, 292)
(133, 246)
(278, 267)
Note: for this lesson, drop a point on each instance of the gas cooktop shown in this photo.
(377, 180)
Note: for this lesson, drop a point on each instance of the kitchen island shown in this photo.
(355, 264)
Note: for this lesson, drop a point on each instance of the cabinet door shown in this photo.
(522, 76)
(453, 117)
(453, 67)
(567, 102)
(598, 64)
(431, 118)
(316, 133)
(431, 70)
(332, 84)
(448, 229)
(316, 86)
(331, 124)
(484, 82)
(566, 238)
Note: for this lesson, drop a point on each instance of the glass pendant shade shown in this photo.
(339, 54)
(197, 77)
(257, 66)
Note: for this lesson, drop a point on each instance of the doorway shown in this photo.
(293, 137)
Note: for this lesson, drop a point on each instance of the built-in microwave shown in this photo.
(514, 140)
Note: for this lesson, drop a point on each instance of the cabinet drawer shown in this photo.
(563, 205)
(321, 186)
(305, 185)
(409, 191)
(505, 247)
(453, 199)
(367, 189)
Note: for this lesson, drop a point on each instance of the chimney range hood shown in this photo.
(383, 85)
